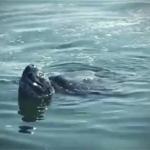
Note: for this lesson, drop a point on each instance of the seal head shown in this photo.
(34, 84)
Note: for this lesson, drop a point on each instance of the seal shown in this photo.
(36, 89)
(34, 84)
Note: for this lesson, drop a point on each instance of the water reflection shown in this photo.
(32, 109)
(27, 129)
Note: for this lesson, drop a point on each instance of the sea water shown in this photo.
(107, 40)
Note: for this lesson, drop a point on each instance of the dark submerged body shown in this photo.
(62, 85)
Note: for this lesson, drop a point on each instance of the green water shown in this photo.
(105, 40)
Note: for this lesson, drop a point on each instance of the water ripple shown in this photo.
(104, 43)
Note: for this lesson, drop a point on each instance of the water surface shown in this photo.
(104, 40)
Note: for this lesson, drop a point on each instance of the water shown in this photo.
(104, 40)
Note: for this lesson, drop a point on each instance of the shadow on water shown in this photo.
(31, 110)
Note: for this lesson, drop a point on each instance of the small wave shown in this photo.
(73, 66)
(10, 81)
(73, 44)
